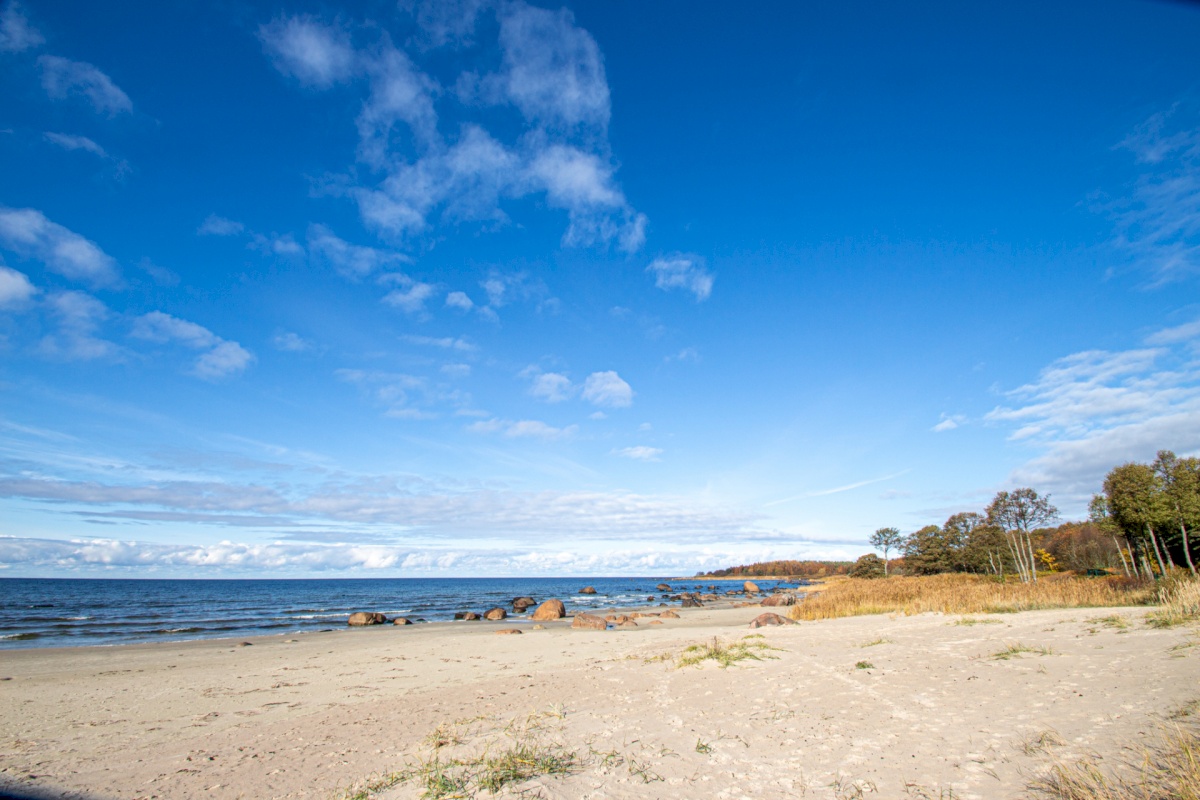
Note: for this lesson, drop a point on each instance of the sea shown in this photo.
(71, 612)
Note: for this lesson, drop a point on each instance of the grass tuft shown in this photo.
(751, 648)
(968, 594)
(974, 621)
(1168, 768)
(1016, 648)
(1179, 603)
(864, 665)
(877, 641)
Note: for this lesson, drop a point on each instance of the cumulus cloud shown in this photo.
(15, 288)
(63, 78)
(316, 54)
(16, 33)
(411, 296)
(607, 389)
(402, 396)
(221, 358)
(553, 387)
(640, 453)
(215, 225)
(78, 317)
(1090, 411)
(549, 70)
(459, 300)
(29, 233)
(682, 271)
(552, 71)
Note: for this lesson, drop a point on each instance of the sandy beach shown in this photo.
(316, 716)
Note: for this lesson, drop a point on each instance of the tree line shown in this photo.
(789, 569)
(1145, 523)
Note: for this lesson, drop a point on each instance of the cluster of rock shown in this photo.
(554, 609)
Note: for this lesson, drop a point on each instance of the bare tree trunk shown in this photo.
(1154, 541)
(1032, 557)
(1016, 556)
(1121, 553)
(1146, 566)
(1187, 550)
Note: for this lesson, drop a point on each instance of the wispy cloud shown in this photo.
(1090, 411)
(63, 78)
(948, 422)
(639, 453)
(351, 260)
(219, 359)
(316, 54)
(682, 271)
(29, 233)
(836, 490)
(215, 225)
(523, 429)
(78, 318)
(16, 32)
(1159, 223)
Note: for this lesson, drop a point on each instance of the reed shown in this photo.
(968, 594)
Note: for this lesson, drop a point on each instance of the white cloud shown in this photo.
(16, 34)
(459, 300)
(221, 359)
(640, 453)
(400, 92)
(410, 299)
(1159, 224)
(214, 225)
(78, 317)
(1091, 411)
(607, 389)
(553, 71)
(29, 233)
(291, 343)
(314, 53)
(351, 260)
(552, 387)
(447, 22)
(227, 358)
(682, 271)
(62, 78)
(523, 429)
(456, 371)
(550, 70)
(402, 396)
(446, 342)
(69, 142)
(948, 423)
(1187, 332)
(15, 288)
(284, 245)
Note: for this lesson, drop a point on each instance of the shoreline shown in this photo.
(319, 714)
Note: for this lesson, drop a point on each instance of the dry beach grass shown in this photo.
(968, 594)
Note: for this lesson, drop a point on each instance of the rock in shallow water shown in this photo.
(551, 609)
(366, 618)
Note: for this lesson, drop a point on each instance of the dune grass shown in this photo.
(1167, 768)
(750, 647)
(1179, 602)
(969, 594)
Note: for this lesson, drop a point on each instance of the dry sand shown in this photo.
(311, 716)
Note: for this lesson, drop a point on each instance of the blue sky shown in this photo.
(477, 288)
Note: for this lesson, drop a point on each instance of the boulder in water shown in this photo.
(495, 614)
(588, 590)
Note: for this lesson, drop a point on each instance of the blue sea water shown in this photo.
(43, 612)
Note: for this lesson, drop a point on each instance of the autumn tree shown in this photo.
(1018, 514)
(1135, 504)
(886, 539)
(1179, 483)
